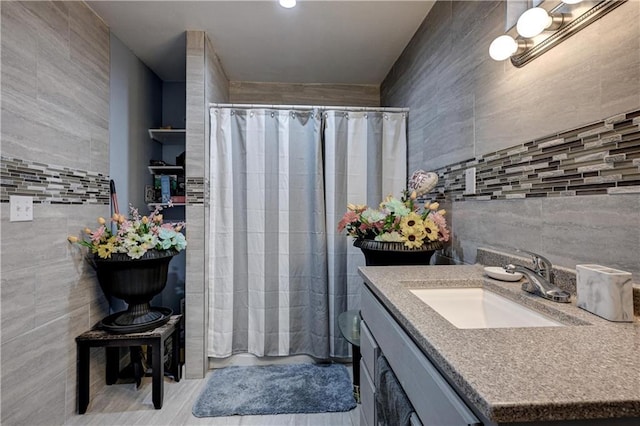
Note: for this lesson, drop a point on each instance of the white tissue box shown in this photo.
(604, 291)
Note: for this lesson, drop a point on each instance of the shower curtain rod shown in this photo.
(322, 107)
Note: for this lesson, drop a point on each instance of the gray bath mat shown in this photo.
(276, 389)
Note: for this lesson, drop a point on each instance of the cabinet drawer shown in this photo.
(369, 349)
(367, 398)
(433, 399)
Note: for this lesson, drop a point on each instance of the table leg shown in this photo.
(83, 378)
(356, 365)
(113, 364)
(136, 362)
(157, 366)
(175, 354)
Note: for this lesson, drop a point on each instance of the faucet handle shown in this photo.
(541, 264)
(509, 267)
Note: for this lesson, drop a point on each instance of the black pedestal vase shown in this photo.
(382, 253)
(136, 281)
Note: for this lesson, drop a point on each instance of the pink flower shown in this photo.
(97, 234)
(439, 220)
(124, 228)
(348, 218)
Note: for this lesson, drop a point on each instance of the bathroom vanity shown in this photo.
(583, 370)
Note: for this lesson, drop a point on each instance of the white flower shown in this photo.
(392, 237)
(149, 240)
(136, 252)
(397, 207)
(131, 239)
(372, 216)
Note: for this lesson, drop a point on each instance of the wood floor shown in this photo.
(123, 404)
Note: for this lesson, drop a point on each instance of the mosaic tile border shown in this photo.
(195, 190)
(601, 158)
(49, 184)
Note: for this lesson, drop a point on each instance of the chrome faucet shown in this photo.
(539, 279)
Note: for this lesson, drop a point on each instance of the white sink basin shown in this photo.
(480, 308)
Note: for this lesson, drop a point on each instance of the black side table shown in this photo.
(349, 325)
(111, 342)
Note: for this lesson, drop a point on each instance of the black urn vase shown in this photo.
(136, 281)
(384, 253)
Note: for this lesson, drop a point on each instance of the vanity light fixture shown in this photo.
(541, 28)
(287, 3)
(506, 46)
(536, 20)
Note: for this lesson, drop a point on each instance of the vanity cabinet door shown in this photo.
(367, 398)
(433, 399)
(369, 349)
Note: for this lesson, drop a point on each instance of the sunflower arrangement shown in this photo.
(133, 236)
(397, 220)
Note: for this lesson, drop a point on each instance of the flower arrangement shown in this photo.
(133, 236)
(400, 220)
(397, 221)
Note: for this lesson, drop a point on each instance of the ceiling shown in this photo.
(323, 41)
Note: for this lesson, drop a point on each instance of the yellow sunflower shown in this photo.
(430, 229)
(412, 229)
(413, 238)
(411, 223)
(105, 250)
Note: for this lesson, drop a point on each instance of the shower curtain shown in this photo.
(279, 273)
(366, 160)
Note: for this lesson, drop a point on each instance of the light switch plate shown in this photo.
(470, 181)
(21, 208)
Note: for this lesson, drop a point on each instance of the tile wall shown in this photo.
(55, 147)
(206, 82)
(464, 104)
(304, 94)
(602, 158)
(555, 143)
(194, 282)
(49, 184)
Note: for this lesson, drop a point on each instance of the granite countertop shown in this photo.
(588, 369)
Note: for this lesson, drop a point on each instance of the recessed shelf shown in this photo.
(152, 206)
(166, 170)
(168, 136)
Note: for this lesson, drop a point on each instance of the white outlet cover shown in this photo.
(21, 208)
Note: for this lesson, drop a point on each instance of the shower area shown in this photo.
(277, 272)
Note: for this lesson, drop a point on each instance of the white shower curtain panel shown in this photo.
(365, 160)
(279, 273)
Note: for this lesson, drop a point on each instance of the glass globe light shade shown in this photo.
(532, 22)
(502, 48)
(571, 1)
(287, 3)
